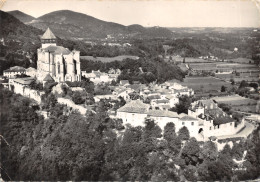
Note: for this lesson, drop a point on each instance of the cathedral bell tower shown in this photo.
(48, 39)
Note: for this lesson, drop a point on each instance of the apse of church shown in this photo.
(59, 62)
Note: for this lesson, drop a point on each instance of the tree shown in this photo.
(184, 133)
(77, 98)
(169, 132)
(232, 81)
(189, 173)
(151, 129)
(243, 84)
(191, 151)
(183, 105)
(209, 151)
(223, 88)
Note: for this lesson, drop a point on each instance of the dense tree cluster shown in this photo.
(143, 70)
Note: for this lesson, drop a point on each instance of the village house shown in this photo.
(99, 77)
(21, 86)
(204, 118)
(13, 71)
(124, 83)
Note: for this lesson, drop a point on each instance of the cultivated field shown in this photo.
(109, 59)
(190, 60)
(205, 84)
(249, 76)
(241, 60)
(238, 103)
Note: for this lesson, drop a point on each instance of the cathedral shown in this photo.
(56, 62)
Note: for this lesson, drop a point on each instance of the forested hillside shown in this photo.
(68, 146)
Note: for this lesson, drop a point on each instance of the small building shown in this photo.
(133, 113)
(13, 71)
(124, 82)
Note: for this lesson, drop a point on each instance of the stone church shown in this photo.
(56, 62)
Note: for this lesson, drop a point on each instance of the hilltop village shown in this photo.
(59, 69)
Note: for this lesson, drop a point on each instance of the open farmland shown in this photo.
(191, 60)
(240, 60)
(109, 59)
(203, 66)
(205, 84)
(238, 103)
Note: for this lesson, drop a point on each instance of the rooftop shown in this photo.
(48, 78)
(222, 120)
(57, 50)
(135, 106)
(48, 34)
(15, 69)
(161, 113)
(188, 118)
(24, 81)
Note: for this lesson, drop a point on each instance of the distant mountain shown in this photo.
(69, 24)
(21, 16)
(13, 30)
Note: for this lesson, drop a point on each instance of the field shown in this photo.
(190, 60)
(109, 59)
(205, 84)
(226, 71)
(241, 60)
(238, 103)
(203, 66)
(253, 76)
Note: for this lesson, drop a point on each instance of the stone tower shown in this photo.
(48, 38)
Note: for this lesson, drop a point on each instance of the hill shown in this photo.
(65, 23)
(21, 16)
(17, 35)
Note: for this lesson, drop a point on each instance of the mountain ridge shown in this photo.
(70, 24)
(23, 17)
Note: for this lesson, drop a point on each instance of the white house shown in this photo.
(133, 113)
(98, 77)
(13, 71)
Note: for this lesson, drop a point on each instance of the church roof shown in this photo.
(57, 50)
(48, 34)
(48, 78)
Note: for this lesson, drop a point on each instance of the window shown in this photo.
(192, 123)
(58, 68)
(209, 128)
(230, 124)
(182, 123)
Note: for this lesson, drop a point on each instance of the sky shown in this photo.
(164, 13)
